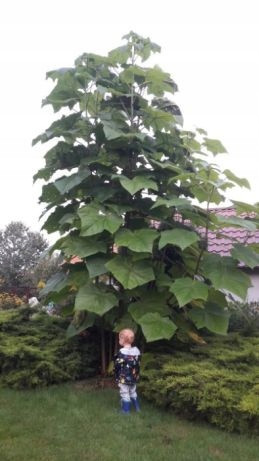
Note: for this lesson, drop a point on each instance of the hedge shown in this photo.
(34, 350)
(218, 383)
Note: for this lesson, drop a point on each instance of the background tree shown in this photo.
(130, 205)
(46, 266)
(20, 250)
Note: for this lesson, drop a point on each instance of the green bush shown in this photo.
(34, 350)
(218, 383)
(244, 318)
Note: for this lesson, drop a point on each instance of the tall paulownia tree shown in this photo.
(128, 180)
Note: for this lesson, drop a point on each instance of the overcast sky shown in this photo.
(209, 46)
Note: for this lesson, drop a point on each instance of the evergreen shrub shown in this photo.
(34, 350)
(218, 383)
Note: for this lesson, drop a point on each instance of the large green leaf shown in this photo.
(156, 327)
(82, 247)
(213, 317)
(50, 194)
(214, 146)
(129, 73)
(158, 82)
(77, 278)
(202, 193)
(243, 207)
(96, 265)
(185, 290)
(158, 119)
(236, 221)
(224, 275)
(165, 165)
(74, 330)
(131, 273)
(95, 219)
(65, 93)
(173, 202)
(217, 297)
(179, 237)
(53, 223)
(111, 132)
(139, 240)
(92, 298)
(120, 54)
(65, 127)
(138, 183)
(242, 182)
(66, 183)
(150, 302)
(68, 218)
(55, 284)
(245, 255)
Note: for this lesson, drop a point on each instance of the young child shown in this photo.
(126, 364)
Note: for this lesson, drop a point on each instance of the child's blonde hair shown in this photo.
(127, 335)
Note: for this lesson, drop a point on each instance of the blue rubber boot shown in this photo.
(136, 404)
(125, 406)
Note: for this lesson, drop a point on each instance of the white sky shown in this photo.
(209, 46)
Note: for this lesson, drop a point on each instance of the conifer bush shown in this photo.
(217, 383)
(34, 350)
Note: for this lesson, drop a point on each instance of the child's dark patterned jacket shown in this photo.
(127, 367)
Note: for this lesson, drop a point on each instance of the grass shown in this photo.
(66, 423)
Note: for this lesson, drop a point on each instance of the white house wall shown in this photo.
(253, 292)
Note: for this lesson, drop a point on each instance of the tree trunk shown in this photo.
(103, 353)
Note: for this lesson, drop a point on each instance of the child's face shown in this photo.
(122, 341)
(126, 338)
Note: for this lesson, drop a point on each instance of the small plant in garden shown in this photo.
(10, 301)
(129, 181)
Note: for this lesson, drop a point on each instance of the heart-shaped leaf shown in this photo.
(179, 237)
(185, 290)
(173, 202)
(224, 274)
(55, 284)
(81, 246)
(67, 183)
(95, 219)
(131, 273)
(139, 240)
(156, 327)
(94, 299)
(213, 317)
(138, 183)
(214, 146)
(150, 302)
(236, 221)
(96, 265)
(245, 255)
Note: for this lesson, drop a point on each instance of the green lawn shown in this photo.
(66, 423)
